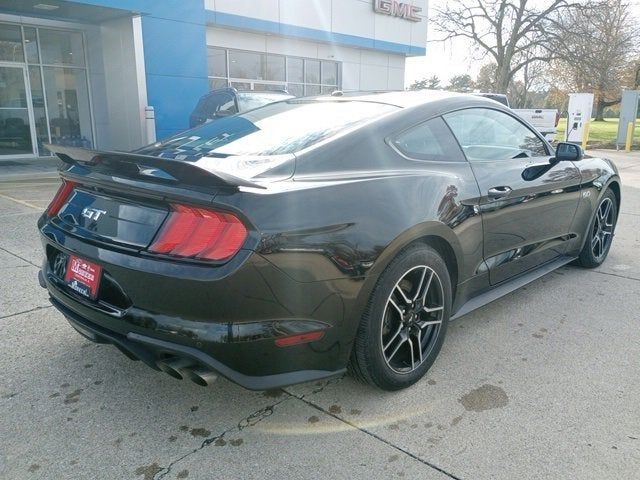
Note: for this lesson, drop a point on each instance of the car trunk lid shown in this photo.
(124, 199)
(110, 219)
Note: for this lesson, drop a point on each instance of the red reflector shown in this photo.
(200, 233)
(299, 338)
(61, 197)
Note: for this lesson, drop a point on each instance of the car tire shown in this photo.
(409, 307)
(600, 233)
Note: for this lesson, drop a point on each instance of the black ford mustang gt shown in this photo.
(290, 242)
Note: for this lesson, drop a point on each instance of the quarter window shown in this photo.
(430, 140)
(487, 134)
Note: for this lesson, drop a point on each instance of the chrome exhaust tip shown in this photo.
(176, 367)
(201, 377)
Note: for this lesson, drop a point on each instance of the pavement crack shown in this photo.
(616, 275)
(373, 435)
(26, 311)
(248, 421)
(18, 256)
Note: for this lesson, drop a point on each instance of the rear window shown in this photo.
(277, 128)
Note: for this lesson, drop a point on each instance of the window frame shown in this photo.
(546, 144)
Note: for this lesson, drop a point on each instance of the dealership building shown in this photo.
(85, 73)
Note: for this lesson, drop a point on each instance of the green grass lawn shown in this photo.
(602, 134)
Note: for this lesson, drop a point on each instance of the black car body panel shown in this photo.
(323, 224)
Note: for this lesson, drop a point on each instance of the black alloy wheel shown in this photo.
(405, 322)
(411, 319)
(601, 231)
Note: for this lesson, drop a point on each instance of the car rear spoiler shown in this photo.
(151, 168)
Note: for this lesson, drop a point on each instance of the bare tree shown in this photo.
(514, 33)
(533, 80)
(597, 46)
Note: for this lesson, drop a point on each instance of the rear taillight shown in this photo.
(192, 232)
(61, 197)
(557, 118)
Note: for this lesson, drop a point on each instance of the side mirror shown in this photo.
(568, 152)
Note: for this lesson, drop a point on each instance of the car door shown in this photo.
(527, 200)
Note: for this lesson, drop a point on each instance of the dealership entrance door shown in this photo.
(17, 132)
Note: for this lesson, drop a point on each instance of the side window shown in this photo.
(430, 140)
(486, 134)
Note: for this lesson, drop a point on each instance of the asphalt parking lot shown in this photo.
(543, 383)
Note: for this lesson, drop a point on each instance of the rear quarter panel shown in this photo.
(353, 205)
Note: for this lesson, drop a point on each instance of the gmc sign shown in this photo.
(397, 9)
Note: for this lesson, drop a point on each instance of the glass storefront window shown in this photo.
(15, 130)
(215, 83)
(329, 73)
(241, 85)
(296, 89)
(68, 104)
(61, 48)
(217, 61)
(44, 96)
(312, 90)
(275, 68)
(295, 70)
(262, 71)
(31, 45)
(11, 43)
(246, 65)
(312, 71)
(265, 87)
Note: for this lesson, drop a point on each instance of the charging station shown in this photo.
(579, 116)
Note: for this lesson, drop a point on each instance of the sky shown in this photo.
(446, 59)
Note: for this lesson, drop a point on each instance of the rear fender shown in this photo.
(419, 233)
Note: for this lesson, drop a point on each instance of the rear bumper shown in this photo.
(226, 320)
(151, 350)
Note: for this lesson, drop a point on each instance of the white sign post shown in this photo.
(579, 117)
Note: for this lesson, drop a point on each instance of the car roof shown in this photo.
(402, 99)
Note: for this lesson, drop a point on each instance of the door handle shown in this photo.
(499, 192)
